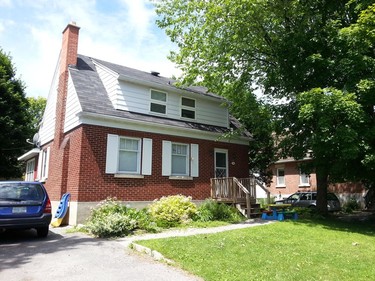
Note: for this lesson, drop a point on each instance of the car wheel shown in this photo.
(312, 208)
(42, 231)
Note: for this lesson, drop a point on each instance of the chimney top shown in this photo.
(71, 24)
(155, 73)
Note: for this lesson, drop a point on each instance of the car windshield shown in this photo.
(294, 196)
(21, 191)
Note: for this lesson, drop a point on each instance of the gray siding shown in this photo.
(136, 98)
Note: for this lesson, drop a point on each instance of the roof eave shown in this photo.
(30, 154)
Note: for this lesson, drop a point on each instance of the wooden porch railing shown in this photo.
(233, 190)
(236, 191)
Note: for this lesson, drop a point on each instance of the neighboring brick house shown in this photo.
(113, 131)
(288, 179)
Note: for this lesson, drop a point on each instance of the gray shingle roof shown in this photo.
(94, 99)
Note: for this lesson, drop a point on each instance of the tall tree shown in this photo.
(36, 110)
(321, 49)
(14, 119)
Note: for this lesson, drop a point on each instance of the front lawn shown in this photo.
(290, 250)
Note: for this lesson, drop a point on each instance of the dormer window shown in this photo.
(158, 102)
(188, 108)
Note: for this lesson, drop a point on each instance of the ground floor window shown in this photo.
(30, 168)
(304, 179)
(280, 177)
(180, 159)
(128, 156)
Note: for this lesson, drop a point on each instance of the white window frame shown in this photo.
(188, 108)
(186, 156)
(144, 157)
(192, 158)
(225, 169)
(43, 164)
(279, 182)
(158, 102)
(304, 179)
(30, 168)
(138, 156)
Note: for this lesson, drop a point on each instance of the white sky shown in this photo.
(118, 31)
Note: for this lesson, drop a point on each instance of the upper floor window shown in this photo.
(158, 102)
(188, 108)
(280, 177)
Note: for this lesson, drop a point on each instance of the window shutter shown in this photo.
(47, 160)
(194, 160)
(112, 154)
(167, 158)
(147, 157)
(39, 171)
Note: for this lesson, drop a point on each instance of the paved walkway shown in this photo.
(126, 241)
(131, 240)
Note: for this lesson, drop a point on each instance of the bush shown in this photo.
(145, 222)
(305, 213)
(111, 218)
(210, 210)
(351, 206)
(172, 210)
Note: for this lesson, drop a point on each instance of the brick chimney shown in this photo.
(59, 158)
(68, 56)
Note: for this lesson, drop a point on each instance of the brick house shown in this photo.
(112, 131)
(288, 179)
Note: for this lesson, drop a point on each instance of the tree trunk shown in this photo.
(322, 188)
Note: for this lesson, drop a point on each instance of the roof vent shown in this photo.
(155, 73)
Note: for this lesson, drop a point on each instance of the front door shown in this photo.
(221, 163)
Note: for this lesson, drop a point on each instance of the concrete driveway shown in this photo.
(61, 256)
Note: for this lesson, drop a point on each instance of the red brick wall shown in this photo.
(87, 180)
(292, 180)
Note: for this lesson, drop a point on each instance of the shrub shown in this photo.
(351, 206)
(211, 210)
(111, 218)
(145, 222)
(306, 213)
(172, 210)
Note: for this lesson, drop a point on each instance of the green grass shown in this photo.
(290, 250)
(203, 224)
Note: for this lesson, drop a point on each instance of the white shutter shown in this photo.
(194, 153)
(47, 161)
(167, 158)
(147, 157)
(39, 171)
(111, 161)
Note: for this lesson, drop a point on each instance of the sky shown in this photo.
(118, 31)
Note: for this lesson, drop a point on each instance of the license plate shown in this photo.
(18, 210)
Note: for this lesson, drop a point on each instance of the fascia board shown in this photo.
(143, 126)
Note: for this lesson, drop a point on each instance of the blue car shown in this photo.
(24, 205)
